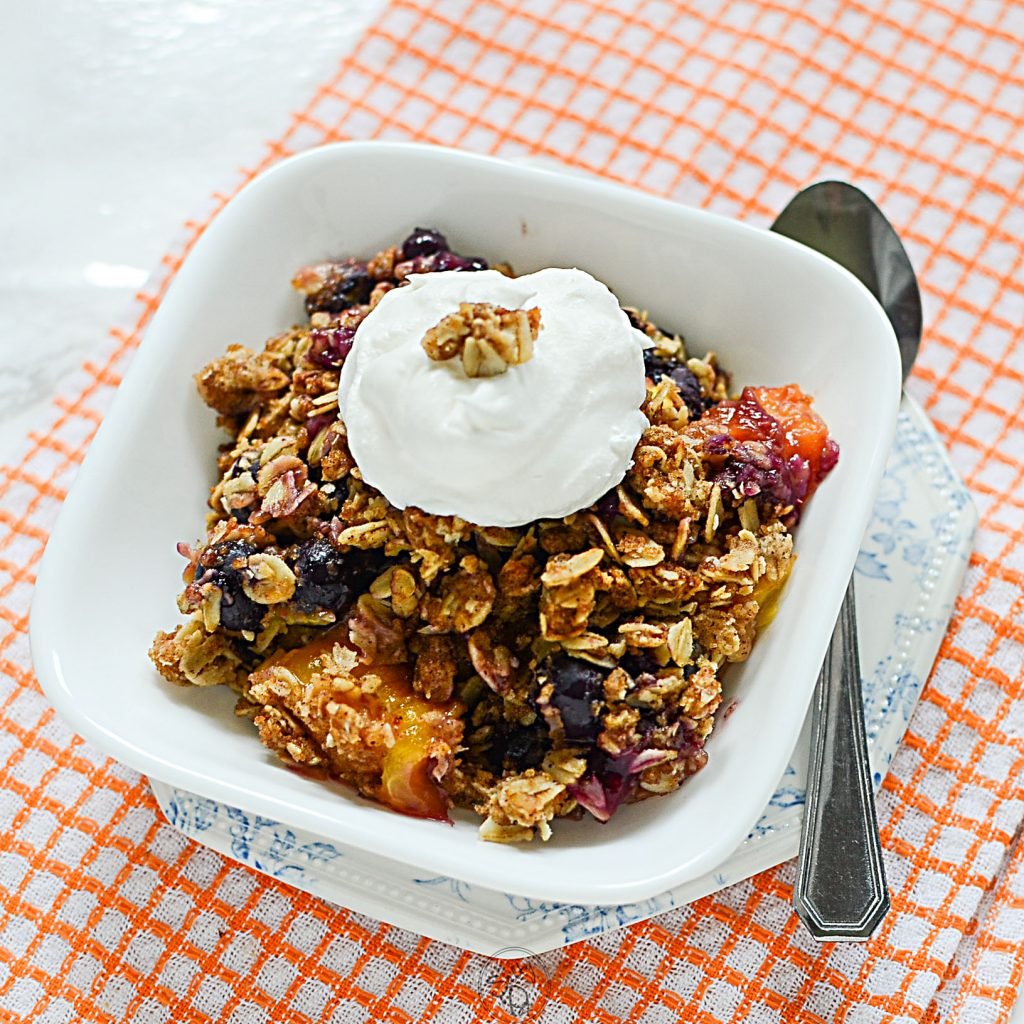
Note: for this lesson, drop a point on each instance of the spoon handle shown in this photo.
(840, 892)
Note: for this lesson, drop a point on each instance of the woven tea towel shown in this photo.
(107, 914)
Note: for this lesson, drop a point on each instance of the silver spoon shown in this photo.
(840, 892)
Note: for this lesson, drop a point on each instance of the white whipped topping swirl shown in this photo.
(545, 438)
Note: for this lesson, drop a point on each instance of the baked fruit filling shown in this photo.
(556, 668)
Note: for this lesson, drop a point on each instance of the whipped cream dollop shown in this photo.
(545, 438)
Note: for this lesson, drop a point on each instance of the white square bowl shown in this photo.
(774, 311)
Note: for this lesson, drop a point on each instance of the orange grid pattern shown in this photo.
(109, 915)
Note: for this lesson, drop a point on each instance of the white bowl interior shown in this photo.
(775, 312)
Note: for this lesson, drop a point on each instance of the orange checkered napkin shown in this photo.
(107, 914)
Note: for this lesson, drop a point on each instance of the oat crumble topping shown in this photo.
(553, 670)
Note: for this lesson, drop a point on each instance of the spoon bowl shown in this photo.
(839, 221)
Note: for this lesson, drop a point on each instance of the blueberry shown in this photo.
(346, 284)
(443, 260)
(317, 423)
(525, 747)
(612, 778)
(453, 261)
(423, 242)
(607, 506)
(247, 462)
(330, 345)
(222, 566)
(689, 390)
(753, 470)
(656, 367)
(639, 664)
(578, 693)
(327, 578)
(515, 748)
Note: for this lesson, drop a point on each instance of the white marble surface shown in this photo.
(118, 120)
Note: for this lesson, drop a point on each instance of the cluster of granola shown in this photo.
(551, 670)
(487, 338)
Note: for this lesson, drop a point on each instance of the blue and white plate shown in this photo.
(909, 572)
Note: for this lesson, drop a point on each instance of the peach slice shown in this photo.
(400, 764)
